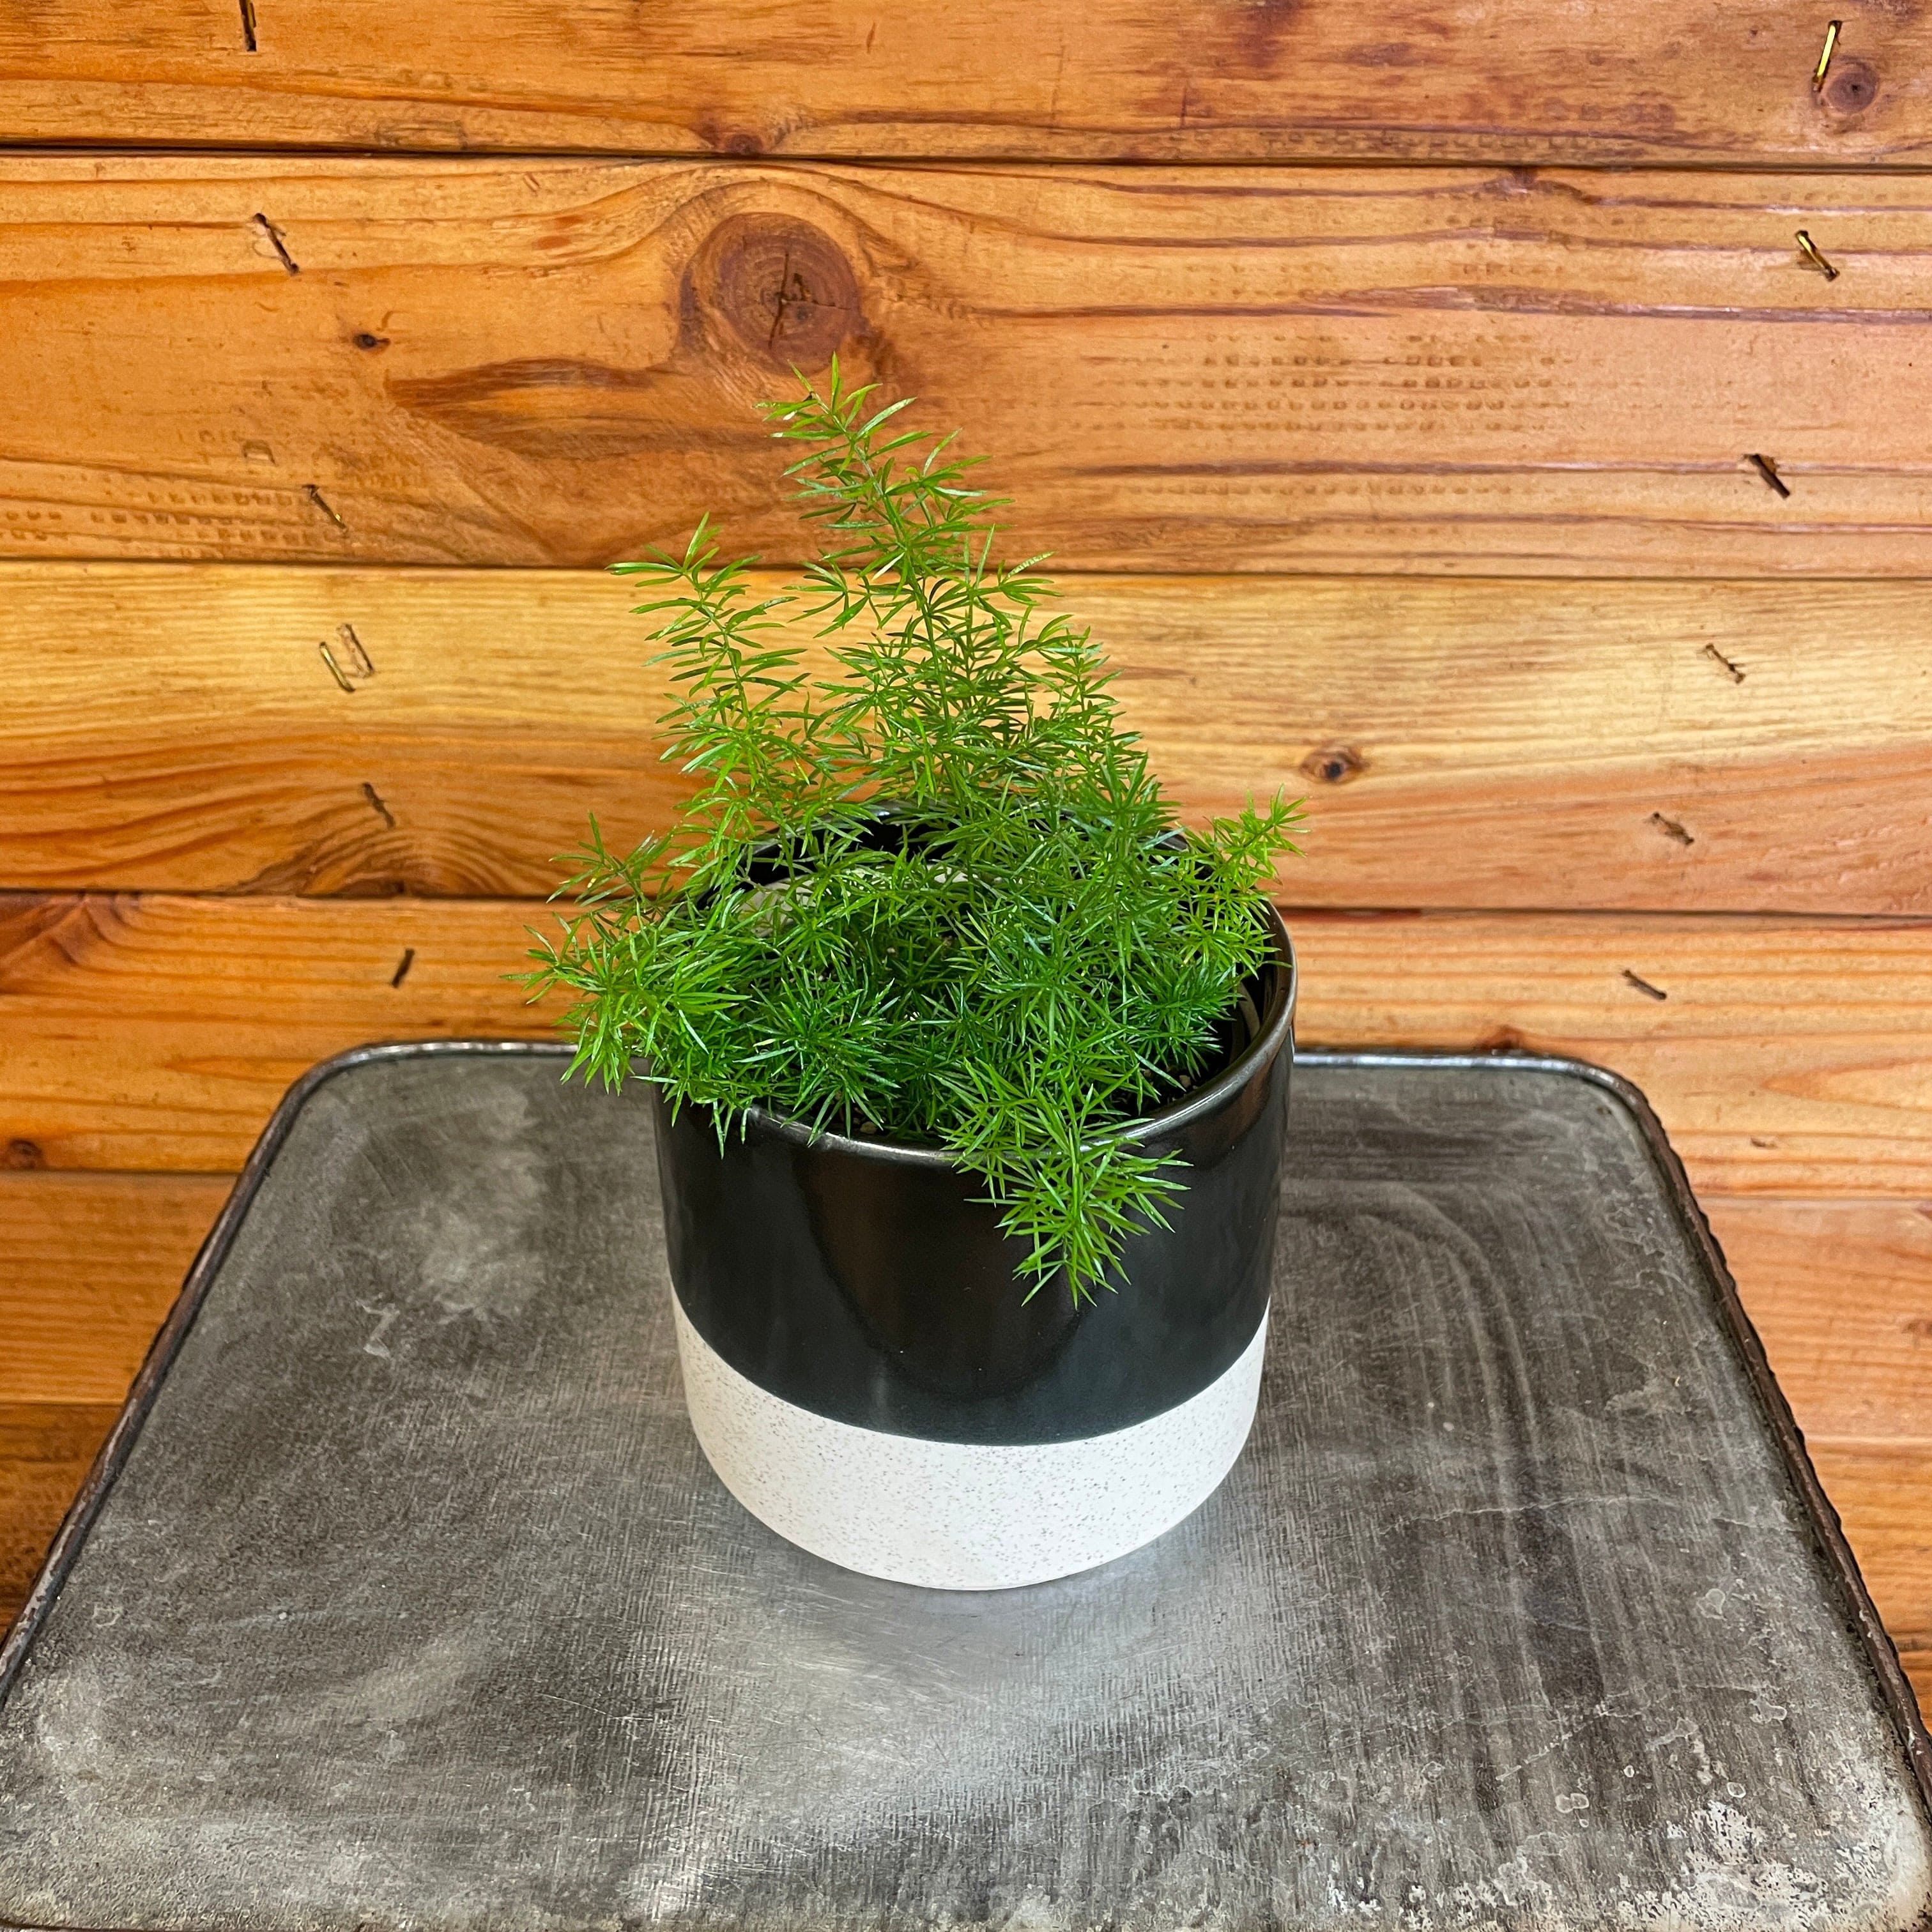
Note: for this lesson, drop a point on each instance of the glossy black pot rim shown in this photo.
(1276, 1021)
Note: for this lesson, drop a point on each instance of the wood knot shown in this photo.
(722, 138)
(1333, 764)
(1851, 87)
(20, 1154)
(777, 287)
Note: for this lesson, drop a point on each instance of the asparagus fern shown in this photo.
(1038, 954)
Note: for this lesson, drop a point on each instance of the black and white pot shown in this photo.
(867, 1376)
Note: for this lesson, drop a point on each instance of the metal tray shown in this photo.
(400, 1598)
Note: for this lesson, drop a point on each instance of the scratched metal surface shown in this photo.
(415, 1607)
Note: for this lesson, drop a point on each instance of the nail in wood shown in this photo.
(1810, 250)
(322, 503)
(1832, 32)
(276, 242)
(1768, 473)
(334, 669)
(1736, 676)
(360, 663)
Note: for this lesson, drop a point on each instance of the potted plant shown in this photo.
(969, 1065)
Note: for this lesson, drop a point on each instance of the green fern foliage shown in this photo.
(932, 893)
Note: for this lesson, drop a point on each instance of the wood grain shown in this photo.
(1786, 1055)
(1199, 79)
(45, 1449)
(1882, 1491)
(1738, 746)
(1325, 369)
(1841, 1294)
(1783, 1056)
(94, 1262)
(159, 1032)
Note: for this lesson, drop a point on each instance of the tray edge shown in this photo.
(1895, 1688)
(113, 1455)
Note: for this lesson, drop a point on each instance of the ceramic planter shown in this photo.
(868, 1377)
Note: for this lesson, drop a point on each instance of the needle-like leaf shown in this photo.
(1026, 953)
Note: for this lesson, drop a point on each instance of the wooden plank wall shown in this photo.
(1195, 80)
(1435, 411)
(1454, 370)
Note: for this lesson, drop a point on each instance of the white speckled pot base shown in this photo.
(963, 1516)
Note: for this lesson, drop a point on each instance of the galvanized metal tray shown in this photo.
(401, 1597)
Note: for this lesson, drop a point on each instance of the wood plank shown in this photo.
(1841, 1294)
(1882, 1491)
(1195, 79)
(1648, 745)
(94, 1262)
(1786, 1056)
(1321, 369)
(45, 1449)
(1783, 1056)
(1840, 1291)
(159, 1032)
